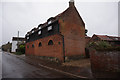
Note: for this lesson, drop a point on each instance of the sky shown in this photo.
(119, 19)
(100, 17)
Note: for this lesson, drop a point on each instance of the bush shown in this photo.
(102, 45)
(18, 53)
(21, 49)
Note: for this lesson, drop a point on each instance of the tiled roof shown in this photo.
(115, 38)
(18, 38)
(59, 15)
(54, 19)
(45, 24)
(34, 29)
(87, 37)
(108, 38)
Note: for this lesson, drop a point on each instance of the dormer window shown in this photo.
(39, 32)
(32, 31)
(27, 34)
(40, 27)
(27, 37)
(49, 22)
(49, 28)
(116, 38)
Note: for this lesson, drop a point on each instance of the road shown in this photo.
(13, 67)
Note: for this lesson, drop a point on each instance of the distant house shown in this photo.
(111, 39)
(61, 36)
(15, 42)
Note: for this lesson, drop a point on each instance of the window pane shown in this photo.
(32, 31)
(27, 37)
(49, 28)
(39, 27)
(49, 22)
(39, 32)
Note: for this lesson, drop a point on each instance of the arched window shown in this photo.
(50, 42)
(27, 46)
(40, 44)
(59, 43)
(33, 46)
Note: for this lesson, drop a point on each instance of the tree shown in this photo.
(21, 49)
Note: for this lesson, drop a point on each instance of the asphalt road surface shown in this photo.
(13, 67)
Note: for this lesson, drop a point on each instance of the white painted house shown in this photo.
(15, 42)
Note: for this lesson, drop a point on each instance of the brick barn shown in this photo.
(61, 36)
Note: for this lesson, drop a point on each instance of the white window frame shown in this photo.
(40, 27)
(49, 28)
(39, 32)
(49, 22)
(27, 38)
(32, 31)
(27, 34)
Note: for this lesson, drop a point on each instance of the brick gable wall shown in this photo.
(73, 30)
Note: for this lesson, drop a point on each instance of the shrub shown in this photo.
(21, 49)
(18, 53)
(102, 45)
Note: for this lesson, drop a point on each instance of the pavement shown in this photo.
(75, 71)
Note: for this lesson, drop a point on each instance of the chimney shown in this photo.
(71, 3)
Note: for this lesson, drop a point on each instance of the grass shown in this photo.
(18, 53)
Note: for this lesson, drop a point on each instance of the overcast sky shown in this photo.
(100, 17)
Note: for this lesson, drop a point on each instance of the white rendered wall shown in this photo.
(14, 46)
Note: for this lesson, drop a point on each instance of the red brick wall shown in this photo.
(55, 50)
(73, 30)
(30, 50)
(105, 61)
(87, 39)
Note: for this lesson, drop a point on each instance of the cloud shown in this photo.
(99, 17)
